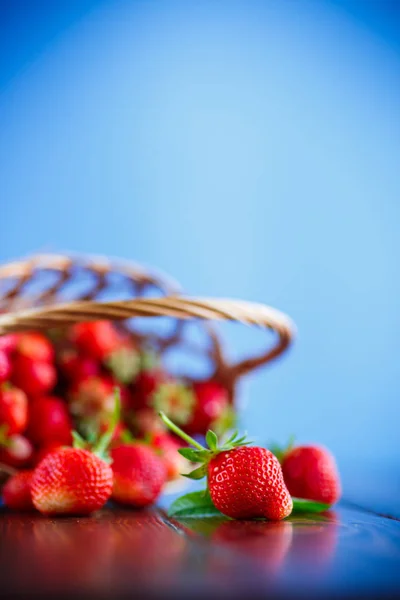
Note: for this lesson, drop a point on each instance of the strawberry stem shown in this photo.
(104, 441)
(179, 432)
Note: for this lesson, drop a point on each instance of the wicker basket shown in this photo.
(49, 291)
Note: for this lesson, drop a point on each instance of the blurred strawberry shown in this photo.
(32, 376)
(139, 474)
(148, 381)
(5, 366)
(16, 450)
(49, 421)
(75, 366)
(168, 447)
(17, 491)
(121, 433)
(176, 400)
(8, 343)
(146, 421)
(96, 338)
(35, 346)
(92, 398)
(123, 362)
(13, 410)
(211, 408)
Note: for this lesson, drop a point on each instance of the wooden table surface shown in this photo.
(118, 553)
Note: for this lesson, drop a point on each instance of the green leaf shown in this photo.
(78, 440)
(191, 454)
(197, 473)
(303, 505)
(211, 439)
(194, 505)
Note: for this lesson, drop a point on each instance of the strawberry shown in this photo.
(145, 421)
(13, 410)
(49, 421)
(311, 472)
(75, 481)
(75, 366)
(139, 474)
(5, 366)
(8, 343)
(71, 481)
(92, 397)
(17, 491)
(123, 362)
(16, 450)
(146, 384)
(176, 400)
(34, 377)
(96, 338)
(211, 407)
(168, 447)
(35, 346)
(243, 482)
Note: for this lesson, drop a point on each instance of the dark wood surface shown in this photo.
(118, 553)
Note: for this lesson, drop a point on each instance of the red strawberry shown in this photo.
(5, 366)
(146, 421)
(96, 338)
(16, 451)
(139, 474)
(71, 481)
(8, 343)
(75, 366)
(34, 377)
(17, 491)
(75, 480)
(49, 421)
(168, 447)
(13, 410)
(311, 472)
(244, 483)
(146, 383)
(211, 404)
(35, 346)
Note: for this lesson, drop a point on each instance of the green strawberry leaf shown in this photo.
(191, 454)
(211, 439)
(194, 505)
(197, 473)
(301, 505)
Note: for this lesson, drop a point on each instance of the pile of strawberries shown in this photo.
(86, 416)
(63, 382)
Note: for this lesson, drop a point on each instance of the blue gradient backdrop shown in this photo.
(251, 149)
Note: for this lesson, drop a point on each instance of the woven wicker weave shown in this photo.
(43, 292)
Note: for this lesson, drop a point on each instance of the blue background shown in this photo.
(251, 149)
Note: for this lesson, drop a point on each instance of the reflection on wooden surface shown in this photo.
(122, 553)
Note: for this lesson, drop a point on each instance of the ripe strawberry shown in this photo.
(35, 346)
(71, 481)
(211, 406)
(311, 472)
(5, 366)
(75, 366)
(96, 338)
(8, 343)
(146, 384)
(244, 483)
(13, 410)
(16, 450)
(168, 447)
(32, 376)
(49, 421)
(17, 491)
(145, 421)
(75, 480)
(139, 474)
